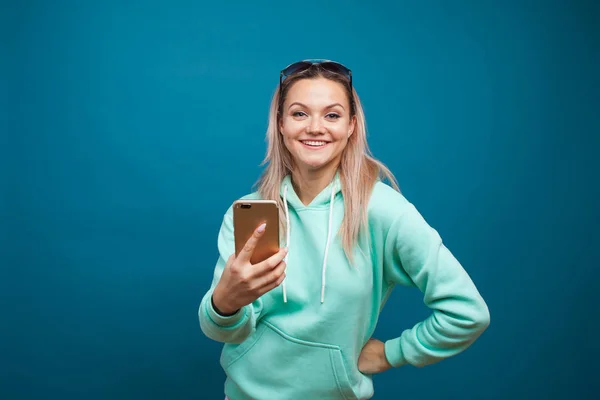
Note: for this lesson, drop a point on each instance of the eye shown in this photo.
(333, 116)
(298, 114)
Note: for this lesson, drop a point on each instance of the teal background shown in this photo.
(129, 127)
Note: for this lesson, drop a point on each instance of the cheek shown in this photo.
(341, 134)
(288, 142)
(291, 130)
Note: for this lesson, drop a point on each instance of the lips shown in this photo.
(315, 144)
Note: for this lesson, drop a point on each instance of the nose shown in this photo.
(315, 127)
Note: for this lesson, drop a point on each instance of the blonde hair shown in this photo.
(358, 169)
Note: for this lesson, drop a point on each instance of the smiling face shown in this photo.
(316, 123)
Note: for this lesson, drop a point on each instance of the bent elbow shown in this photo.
(474, 320)
(481, 318)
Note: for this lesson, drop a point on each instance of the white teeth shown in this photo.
(314, 143)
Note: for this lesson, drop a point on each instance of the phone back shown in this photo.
(247, 216)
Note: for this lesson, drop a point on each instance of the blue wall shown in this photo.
(133, 125)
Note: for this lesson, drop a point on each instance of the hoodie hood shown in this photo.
(321, 200)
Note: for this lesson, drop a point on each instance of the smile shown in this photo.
(314, 144)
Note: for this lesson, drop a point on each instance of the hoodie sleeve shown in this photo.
(416, 256)
(226, 329)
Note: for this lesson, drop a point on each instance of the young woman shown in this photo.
(299, 325)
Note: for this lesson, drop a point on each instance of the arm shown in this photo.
(415, 255)
(233, 328)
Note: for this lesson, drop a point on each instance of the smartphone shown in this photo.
(247, 216)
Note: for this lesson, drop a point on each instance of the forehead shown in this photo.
(317, 91)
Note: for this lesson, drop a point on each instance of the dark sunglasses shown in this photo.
(303, 65)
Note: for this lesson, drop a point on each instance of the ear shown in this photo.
(352, 126)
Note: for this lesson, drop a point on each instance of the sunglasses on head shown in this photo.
(327, 65)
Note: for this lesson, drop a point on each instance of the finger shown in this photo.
(272, 262)
(250, 245)
(272, 275)
(274, 284)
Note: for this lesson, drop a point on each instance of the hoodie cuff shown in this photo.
(230, 321)
(394, 354)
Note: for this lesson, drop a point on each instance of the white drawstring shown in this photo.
(287, 238)
(327, 244)
(287, 242)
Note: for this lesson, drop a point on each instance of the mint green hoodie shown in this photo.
(306, 345)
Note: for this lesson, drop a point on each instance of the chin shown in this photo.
(310, 160)
(314, 165)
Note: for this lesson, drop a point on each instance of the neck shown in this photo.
(309, 183)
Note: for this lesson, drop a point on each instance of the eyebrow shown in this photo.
(329, 106)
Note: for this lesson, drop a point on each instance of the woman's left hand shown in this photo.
(372, 358)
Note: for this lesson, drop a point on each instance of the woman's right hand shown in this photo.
(242, 282)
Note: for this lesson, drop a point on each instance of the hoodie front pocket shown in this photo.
(271, 364)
